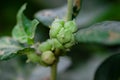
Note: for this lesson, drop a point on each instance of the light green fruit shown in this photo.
(45, 46)
(33, 57)
(50, 45)
(55, 44)
(64, 35)
(55, 28)
(71, 43)
(71, 25)
(48, 57)
(60, 21)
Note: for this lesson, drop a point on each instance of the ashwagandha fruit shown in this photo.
(56, 27)
(54, 30)
(33, 57)
(71, 43)
(45, 46)
(56, 44)
(60, 21)
(71, 26)
(61, 38)
(50, 45)
(48, 57)
(64, 35)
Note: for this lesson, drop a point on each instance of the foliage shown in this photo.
(63, 35)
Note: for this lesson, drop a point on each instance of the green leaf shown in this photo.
(24, 30)
(92, 13)
(8, 48)
(48, 16)
(109, 69)
(107, 32)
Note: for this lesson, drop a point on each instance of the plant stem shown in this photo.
(54, 71)
(68, 18)
(69, 10)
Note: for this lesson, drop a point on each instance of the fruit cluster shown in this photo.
(61, 39)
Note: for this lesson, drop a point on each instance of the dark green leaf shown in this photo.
(109, 69)
(24, 30)
(8, 48)
(88, 14)
(47, 16)
(107, 32)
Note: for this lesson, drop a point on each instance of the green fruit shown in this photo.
(60, 21)
(56, 44)
(71, 26)
(55, 28)
(48, 57)
(45, 46)
(71, 43)
(64, 35)
(33, 57)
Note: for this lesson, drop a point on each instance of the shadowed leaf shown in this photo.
(47, 16)
(107, 32)
(109, 69)
(8, 48)
(88, 14)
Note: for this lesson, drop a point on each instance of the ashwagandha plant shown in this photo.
(63, 33)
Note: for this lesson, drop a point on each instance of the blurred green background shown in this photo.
(85, 58)
(8, 11)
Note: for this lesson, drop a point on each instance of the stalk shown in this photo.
(68, 18)
(54, 71)
(69, 10)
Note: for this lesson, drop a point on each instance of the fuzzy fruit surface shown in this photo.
(63, 31)
(48, 57)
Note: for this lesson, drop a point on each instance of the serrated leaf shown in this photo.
(8, 48)
(24, 30)
(107, 32)
(109, 69)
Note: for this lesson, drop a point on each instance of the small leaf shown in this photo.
(24, 30)
(109, 69)
(107, 32)
(8, 48)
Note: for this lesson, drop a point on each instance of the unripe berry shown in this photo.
(71, 43)
(64, 35)
(48, 57)
(45, 46)
(55, 27)
(71, 26)
(33, 57)
(60, 21)
(56, 44)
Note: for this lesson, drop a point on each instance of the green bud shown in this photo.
(64, 35)
(33, 57)
(71, 43)
(55, 28)
(48, 57)
(60, 21)
(45, 46)
(50, 45)
(56, 44)
(71, 26)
